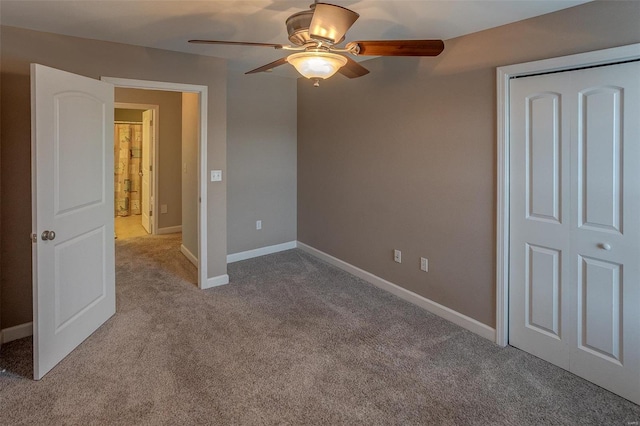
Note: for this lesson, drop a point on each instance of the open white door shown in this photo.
(147, 160)
(73, 250)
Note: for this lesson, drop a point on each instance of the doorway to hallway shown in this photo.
(195, 96)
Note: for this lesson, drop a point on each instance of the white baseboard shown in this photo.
(249, 254)
(16, 332)
(169, 230)
(411, 297)
(216, 281)
(187, 253)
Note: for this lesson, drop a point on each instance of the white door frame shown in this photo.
(504, 74)
(154, 154)
(202, 91)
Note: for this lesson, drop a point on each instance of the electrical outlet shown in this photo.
(216, 175)
(397, 256)
(258, 224)
(424, 264)
(163, 208)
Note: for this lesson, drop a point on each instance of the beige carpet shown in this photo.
(290, 340)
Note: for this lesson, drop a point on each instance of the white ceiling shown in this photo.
(169, 24)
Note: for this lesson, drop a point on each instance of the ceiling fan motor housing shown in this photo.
(298, 27)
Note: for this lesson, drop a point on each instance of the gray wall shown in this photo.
(261, 145)
(190, 132)
(1, 246)
(93, 59)
(405, 157)
(167, 160)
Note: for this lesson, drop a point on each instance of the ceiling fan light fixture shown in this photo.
(317, 65)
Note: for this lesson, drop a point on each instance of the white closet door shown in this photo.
(575, 223)
(540, 226)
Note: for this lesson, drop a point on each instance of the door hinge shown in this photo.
(150, 168)
(150, 214)
(34, 238)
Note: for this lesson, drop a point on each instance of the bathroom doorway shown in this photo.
(135, 148)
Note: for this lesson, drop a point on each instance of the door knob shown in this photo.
(605, 246)
(48, 235)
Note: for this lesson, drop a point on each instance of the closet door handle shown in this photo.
(605, 246)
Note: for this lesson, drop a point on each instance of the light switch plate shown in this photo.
(216, 175)
(424, 264)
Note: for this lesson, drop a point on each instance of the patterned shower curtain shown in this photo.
(127, 161)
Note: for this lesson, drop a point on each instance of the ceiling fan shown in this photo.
(315, 35)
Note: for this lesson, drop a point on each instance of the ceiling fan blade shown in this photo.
(269, 66)
(331, 22)
(237, 43)
(353, 69)
(398, 47)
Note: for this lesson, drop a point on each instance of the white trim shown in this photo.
(155, 153)
(16, 332)
(187, 253)
(202, 91)
(249, 254)
(502, 211)
(455, 317)
(504, 74)
(217, 281)
(169, 230)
